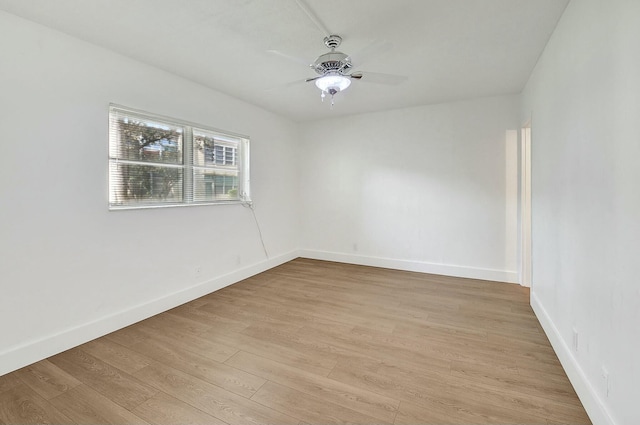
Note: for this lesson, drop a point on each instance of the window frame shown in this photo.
(188, 166)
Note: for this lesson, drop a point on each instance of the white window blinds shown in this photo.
(158, 161)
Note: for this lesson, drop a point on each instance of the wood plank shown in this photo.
(227, 377)
(383, 409)
(9, 381)
(495, 377)
(424, 358)
(302, 343)
(308, 408)
(222, 404)
(413, 388)
(316, 363)
(177, 324)
(167, 410)
(46, 379)
(340, 313)
(86, 406)
(491, 404)
(211, 349)
(127, 336)
(113, 383)
(22, 405)
(412, 414)
(496, 397)
(206, 317)
(116, 355)
(273, 305)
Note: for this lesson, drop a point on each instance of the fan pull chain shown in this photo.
(323, 95)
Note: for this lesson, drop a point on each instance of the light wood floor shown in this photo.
(312, 342)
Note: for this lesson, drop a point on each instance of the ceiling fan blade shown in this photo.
(296, 59)
(312, 16)
(312, 79)
(379, 78)
(376, 48)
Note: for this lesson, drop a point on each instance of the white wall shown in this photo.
(584, 100)
(70, 269)
(422, 188)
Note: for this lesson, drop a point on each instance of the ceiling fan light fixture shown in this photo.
(333, 83)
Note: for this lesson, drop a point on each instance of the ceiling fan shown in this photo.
(336, 69)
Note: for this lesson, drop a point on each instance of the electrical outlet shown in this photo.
(197, 271)
(355, 247)
(575, 340)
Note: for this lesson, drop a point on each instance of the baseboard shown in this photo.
(589, 397)
(36, 350)
(413, 266)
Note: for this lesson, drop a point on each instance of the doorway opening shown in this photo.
(525, 205)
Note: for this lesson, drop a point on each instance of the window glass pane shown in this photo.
(219, 150)
(139, 139)
(214, 185)
(132, 184)
(228, 156)
(211, 150)
(209, 156)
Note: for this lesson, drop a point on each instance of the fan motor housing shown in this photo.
(332, 62)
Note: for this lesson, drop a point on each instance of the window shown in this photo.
(158, 161)
(220, 154)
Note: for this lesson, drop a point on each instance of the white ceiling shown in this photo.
(448, 49)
